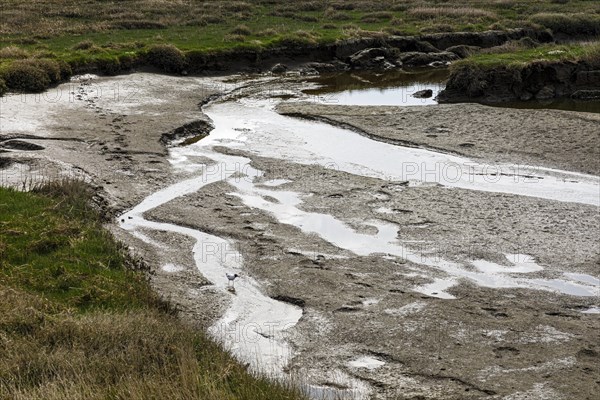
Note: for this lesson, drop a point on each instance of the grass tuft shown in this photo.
(25, 77)
(83, 45)
(437, 12)
(241, 30)
(167, 58)
(13, 52)
(34, 74)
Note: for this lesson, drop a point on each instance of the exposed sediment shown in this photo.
(361, 313)
(553, 139)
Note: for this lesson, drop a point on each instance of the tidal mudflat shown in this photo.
(360, 273)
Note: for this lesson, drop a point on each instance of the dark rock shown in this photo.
(5, 162)
(349, 47)
(195, 128)
(325, 67)
(375, 58)
(525, 96)
(586, 95)
(405, 44)
(463, 50)
(423, 94)
(418, 59)
(279, 68)
(587, 77)
(322, 67)
(546, 93)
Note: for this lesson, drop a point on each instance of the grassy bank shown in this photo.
(115, 36)
(76, 321)
(521, 53)
(520, 71)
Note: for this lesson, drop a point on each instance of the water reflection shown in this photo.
(370, 88)
(396, 88)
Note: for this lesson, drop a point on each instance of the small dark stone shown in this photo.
(423, 94)
(279, 68)
(586, 95)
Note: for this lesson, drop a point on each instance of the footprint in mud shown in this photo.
(506, 351)
(586, 352)
(495, 312)
(437, 129)
(382, 196)
(347, 309)
(385, 210)
(396, 187)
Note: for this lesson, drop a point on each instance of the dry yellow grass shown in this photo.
(52, 353)
(438, 12)
(13, 52)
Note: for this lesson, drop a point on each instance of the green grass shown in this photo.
(116, 36)
(76, 322)
(57, 26)
(513, 55)
(59, 249)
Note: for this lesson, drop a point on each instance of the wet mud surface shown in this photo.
(547, 138)
(365, 317)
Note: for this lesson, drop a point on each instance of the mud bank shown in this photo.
(392, 52)
(113, 130)
(406, 289)
(538, 80)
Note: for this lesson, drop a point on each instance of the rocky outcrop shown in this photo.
(423, 94)
(538, 80)
(320, 67)
(279, 68)
(376, 58)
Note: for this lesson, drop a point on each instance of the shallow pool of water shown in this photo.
(394, 88)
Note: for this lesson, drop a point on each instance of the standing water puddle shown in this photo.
(395, 88)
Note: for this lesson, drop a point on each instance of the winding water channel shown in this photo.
(251, 124)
